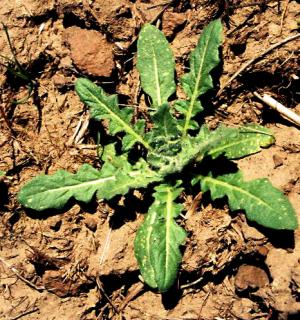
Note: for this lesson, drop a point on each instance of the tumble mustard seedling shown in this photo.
(173, 144)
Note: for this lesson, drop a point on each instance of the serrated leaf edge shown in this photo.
(195, 95)
(125, 125)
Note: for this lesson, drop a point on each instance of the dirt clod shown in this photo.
(250, 277)
(90, 51)
(277, 161)
(62, 286)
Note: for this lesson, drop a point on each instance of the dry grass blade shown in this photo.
(16, 272)
(254, 59)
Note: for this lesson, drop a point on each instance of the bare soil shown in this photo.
(79, 263)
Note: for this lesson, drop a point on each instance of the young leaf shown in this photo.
(155, 63)
(164, 138)
(164, 124)
(103, 106)
(198, 81)
(158, 239)
(261, 201)
(189, 150)
(117, 176)
(168, 163)
(234, 143)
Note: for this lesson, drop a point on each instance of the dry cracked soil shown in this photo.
(79, 263)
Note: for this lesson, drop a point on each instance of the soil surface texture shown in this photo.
(79, 263)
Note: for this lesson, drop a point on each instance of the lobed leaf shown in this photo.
(198, 81)
(158, 240)
(156, 65)
(117, 176)
(235, 143)
(261, 201)
(103, 107)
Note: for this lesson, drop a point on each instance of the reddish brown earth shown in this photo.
(79, 264)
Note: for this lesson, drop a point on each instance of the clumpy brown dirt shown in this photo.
(79, 264)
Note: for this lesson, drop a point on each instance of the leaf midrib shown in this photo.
(127, 128)
(230, 186)
(232, 144)
(168, 228)
(198, 79)
(156, 76)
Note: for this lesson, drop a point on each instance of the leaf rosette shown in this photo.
(175, 142)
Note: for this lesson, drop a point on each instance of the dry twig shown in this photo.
(131, 295)
(188, 285)
(194, 205)
(16, 272)
(274, 104)
(257, 57)
(25, 313)
(100, 287)
(283, 15)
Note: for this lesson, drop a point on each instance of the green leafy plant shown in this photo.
(175, 143)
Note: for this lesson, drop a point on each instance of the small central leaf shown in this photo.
(164, 138)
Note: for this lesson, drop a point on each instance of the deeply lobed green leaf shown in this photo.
(261, 201)
(106, 107)
(158, 240)
(156, 65)
(198, 81)
(117, 176)
(234, 143)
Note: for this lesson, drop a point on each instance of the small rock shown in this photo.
(54, 283)
(28, 270)
(277, 161)
(263, 250)
(251, 233)
(90, 51)
(250, 277)
(59, 80)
